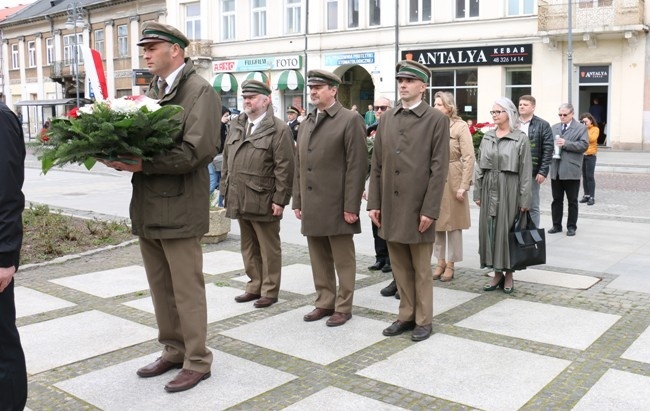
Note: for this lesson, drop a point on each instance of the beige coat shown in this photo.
(331, 167)
(409, 169)
(454, 214)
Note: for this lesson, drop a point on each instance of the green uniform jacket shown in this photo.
(170, 194)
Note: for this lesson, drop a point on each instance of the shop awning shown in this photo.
(258, 75)
(290, 80)
(225, 82)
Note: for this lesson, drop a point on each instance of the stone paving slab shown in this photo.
(617, 390)
(118, 387)
(108, 283)
(563, 326)
(473, 373)
(30, 302)
(53, 343)
(219, 262)
(340, 400)
(549, 277)
(318, 343)
(640, 350)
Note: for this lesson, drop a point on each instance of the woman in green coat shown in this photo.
(502, 188)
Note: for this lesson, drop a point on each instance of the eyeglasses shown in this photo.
(496, 113)
(564, 115)
(382, 108)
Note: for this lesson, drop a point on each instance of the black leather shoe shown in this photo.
(397, 295)
(554, 230)
(387, 268)
(398, 327)
(591, 201)
(584, 199)
(421, 332)
(570, 232)
(389, 290)
(378, 265)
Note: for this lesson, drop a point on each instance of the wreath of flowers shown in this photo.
(113, 129)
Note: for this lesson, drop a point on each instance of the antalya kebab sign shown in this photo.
(472, 56)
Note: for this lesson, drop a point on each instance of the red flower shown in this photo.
(74, 113)
(45, 138)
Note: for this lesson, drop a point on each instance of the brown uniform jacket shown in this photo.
(257, 171)
(331, 167)
(454, 214)
(409, 168)
(171, 193)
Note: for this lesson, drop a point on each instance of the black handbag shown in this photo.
(526, 243)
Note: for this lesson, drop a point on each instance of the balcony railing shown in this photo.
(66, 68)
(612, 15)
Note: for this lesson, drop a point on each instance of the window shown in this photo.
(228, 19)
(294, 16)
(419, 11)
(258, 19)
(585, 4)
(466, 8)
(49, 49)
(332, 14)
(69, 48)
(374, 13)
(353, 13)
(462, 84)
(518, 83)
(31, 54)
(99, 41)
(518, 7)
(122, 41)
(193, 21)
(14, 56)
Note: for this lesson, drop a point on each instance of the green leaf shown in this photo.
(90, 163)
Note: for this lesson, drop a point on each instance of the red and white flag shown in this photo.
(95, 72)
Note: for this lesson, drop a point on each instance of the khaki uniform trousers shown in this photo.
(412, 272)
(175, 273)
(262, 254)
(325, 254)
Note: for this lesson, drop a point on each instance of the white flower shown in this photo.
(124, 106)
(87, 109)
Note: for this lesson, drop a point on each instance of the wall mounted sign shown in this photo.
(472, 56)
(257, 64)
(594, 74)
(349, 58)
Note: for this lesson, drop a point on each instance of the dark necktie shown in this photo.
(564, 126)
(249, 130)
(162, 86)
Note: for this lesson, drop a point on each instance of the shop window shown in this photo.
(258, 18)
(518, 83)
(419, 11)
(520, 7)
(463, 84)
(374, 12)
(193, 21)
(294, 16)
(332, 14)
(229, 100)
(293, 98)
(227, 19)
(466, 9)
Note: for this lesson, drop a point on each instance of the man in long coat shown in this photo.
(407, 178)
(257, 175)
(331, 167)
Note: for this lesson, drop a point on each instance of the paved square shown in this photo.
(340, 400)
(640, 349)
(221, 303)
(545, 323)
(108, 283)
(65, 340)
(317, 342)
(617, 390)
(117, 387)
(477, 374)
(219, 262)
(575, 281)
(297, 278)
(30, 302)
(444, 299)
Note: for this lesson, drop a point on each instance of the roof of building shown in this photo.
(43, 8)
(8, 11)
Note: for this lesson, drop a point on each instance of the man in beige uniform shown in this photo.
(257, 174)
(409, 168)
(331, 166)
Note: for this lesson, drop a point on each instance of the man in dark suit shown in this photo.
(13, 374)
(331, 166)
(293, 123)
(572, 138)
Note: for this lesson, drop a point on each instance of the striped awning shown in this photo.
(290, 80)
(224, 82)
(258, 75)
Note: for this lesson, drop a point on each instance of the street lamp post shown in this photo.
(75, 19)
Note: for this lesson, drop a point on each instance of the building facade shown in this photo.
(477, 49)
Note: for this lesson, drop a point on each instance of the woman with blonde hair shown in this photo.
(454, 208)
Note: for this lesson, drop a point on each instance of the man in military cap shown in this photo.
(293, 123)
(170, 208)
(408, 173)
(257, 177)
(331, 167)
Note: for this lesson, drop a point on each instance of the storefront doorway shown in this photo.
(356, 88)
(593, 92)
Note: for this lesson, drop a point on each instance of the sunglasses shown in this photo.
(564, 115)
(496, 113)
(382, 108)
